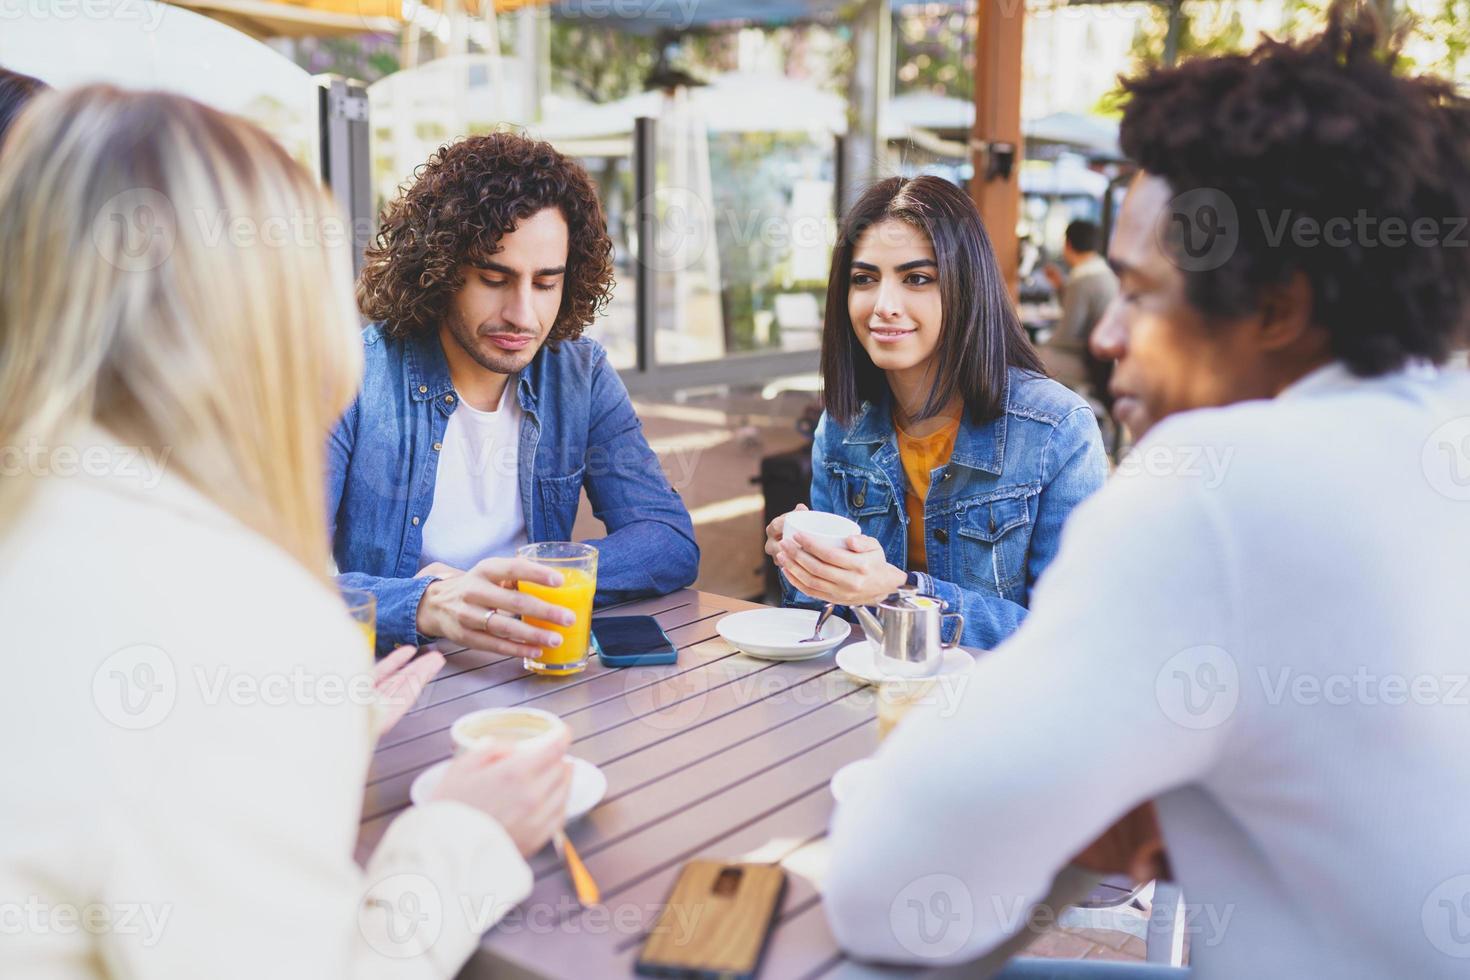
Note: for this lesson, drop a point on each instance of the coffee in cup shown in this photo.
(522, 728)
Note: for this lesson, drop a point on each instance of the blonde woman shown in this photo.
(187, 709)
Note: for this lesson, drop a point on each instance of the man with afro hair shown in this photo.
(1257, 630)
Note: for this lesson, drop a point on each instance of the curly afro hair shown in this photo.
(1339, 169)
(459, 205)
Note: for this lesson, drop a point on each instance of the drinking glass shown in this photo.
(362, 606)
(578, 566)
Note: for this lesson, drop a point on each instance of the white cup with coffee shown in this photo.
(522, 728)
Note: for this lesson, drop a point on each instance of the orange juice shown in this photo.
(362, 606)
(575, 593)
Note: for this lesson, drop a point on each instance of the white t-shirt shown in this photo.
(477, 509)
(1260, 623)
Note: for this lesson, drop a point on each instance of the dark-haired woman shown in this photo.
(942, 437)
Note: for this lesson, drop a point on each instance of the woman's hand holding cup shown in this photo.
(828, 557)
(855, 575)
(525, 790)
(510, 763)
(776, 528)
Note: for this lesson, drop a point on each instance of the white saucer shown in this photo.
(589, 785)
(776, 634)
(856, 660)
(846, 779)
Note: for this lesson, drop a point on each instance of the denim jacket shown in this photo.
(579, 431)
(994, 513)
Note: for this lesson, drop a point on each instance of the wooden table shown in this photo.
(720, 755)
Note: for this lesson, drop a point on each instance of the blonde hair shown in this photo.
(169, 273)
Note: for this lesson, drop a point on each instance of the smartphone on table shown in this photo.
(716, 922)
(632, 641)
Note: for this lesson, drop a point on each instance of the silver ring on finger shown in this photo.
(489, 613)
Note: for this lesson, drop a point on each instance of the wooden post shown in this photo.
(998, 41)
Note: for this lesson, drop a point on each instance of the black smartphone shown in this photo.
(632, 641)
(715, 923)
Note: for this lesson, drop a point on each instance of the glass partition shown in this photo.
(617, 327)
(740, 215)
(417, 110)
(774, 224)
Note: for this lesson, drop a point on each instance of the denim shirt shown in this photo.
(994, 513)
(579, 431)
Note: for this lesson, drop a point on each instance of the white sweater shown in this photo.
(187, 727)
(1263, 622)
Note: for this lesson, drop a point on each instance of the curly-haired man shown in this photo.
(1259, 624)
(484, 413)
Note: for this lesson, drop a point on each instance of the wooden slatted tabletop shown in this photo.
(720, 755)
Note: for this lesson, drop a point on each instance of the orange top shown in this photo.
(921, 456)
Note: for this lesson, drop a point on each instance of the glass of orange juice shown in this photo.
(578, 566)
(362, 605)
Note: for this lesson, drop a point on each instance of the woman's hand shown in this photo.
(525, 790)
(456, 607)
(398, 680)
(774, 531)
(857, 575)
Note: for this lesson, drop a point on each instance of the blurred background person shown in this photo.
(1086, 289)
(165, 399)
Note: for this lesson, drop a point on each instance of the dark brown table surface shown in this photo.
(720, 755)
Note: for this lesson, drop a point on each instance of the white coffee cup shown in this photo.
(523, 728)
(831, 530)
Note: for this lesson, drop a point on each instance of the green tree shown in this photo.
(597, 64)
(1438, 29)
(935, 52)
(1436, 32)
(366, 57)
(1204, 29)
